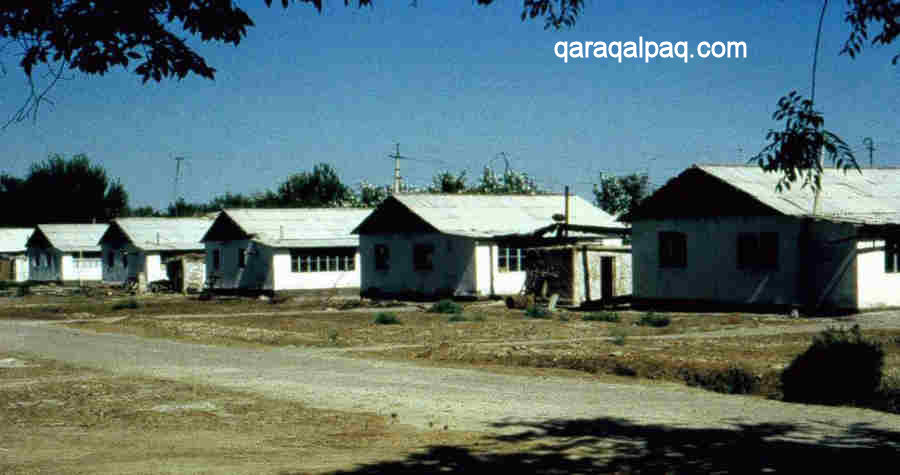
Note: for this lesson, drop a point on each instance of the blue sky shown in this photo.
(456, 84)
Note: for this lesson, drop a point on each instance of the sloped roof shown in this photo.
(869, 197)
(163, 234)
(12, 240)
(298, 227)
(73, 237)
(485, 216)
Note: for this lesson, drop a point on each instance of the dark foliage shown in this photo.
(798, 151)
(650, 319)
(446, 306)
(731, 380)
(863, 13)
(621, 194)
(840, 367)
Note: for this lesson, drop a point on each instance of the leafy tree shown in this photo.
(369, 195)
(447, 182)
(182, 209)
(61, 190)
(510, 182)
(143, 212)
(621, 194)
(321, 187)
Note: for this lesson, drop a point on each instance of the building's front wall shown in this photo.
(14, 267)
(711, 273)
(453, 269)
(287, 279)
(257, 273)
(875, 287)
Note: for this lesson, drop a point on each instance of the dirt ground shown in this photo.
(62, 419)
(487, 335)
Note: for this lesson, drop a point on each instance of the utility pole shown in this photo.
(175, 192)
(870, 146)
(397, 157)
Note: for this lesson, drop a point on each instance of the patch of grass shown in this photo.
(651, 319)
(535, 311)
(619, 336)
(446, 306)
(601, 317)
(131, 304)
(332, 336)
(458, 317)
(386, 318)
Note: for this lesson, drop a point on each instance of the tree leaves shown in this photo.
(798, 151)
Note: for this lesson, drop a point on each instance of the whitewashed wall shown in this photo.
(287, 280)
(875, 288)
(818, 263)
(454, 265)
(38, 268)
(256, 275)
(76, 268)
(22, 267)
(711, 273)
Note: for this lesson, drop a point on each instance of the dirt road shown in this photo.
(429, 397)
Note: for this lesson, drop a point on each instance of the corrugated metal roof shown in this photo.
(870, 197)
(74, 237)
(12, 240)
(301, 227)
(165, 234)
(493, 215)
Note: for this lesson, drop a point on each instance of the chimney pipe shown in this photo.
(566, 230)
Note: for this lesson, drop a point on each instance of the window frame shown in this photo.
(510, 259)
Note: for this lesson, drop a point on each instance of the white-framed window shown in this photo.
(323, 260)
(510, 259)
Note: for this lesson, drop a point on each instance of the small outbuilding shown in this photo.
(284, 249)
(722, 234)
(131, 246)
(468, 245)
(13, 260)
(65, 253)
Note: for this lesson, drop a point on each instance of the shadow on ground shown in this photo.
(619, 446)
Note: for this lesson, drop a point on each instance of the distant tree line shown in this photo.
(72, 190)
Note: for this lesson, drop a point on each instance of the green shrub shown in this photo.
(619, 336)
(478, 317)
(563, 317)
(458, 317)
(839, 367)
(131, 304)
(650, 319)
(446, 306)
(386, 318)
(601, 317)
(731, 380)
(537, 312)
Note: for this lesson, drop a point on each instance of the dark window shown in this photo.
(382, 257)
(125, 260)
(891, 256)
(111, 259)
(242, 258)
(216, 258)
(757, 251)
(510, 259)
(423, 257)
(672, 249)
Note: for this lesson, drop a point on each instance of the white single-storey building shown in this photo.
(13, 261)
(724, 235)
(134, 245)
(434, 245)
(284, 249)
(65, 252)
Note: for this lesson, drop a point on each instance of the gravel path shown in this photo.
(426, 396)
